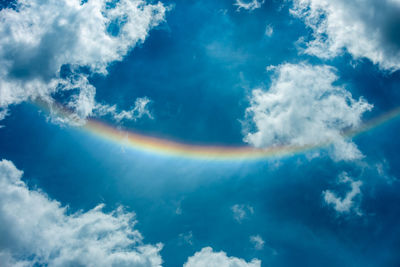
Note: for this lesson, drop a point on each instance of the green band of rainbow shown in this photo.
(224, 153)
(164, 147)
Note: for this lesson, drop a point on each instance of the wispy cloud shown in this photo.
(139, 110)
(269, 30)
(257, 241)
(241, 211)
(248, 4)
(348, 202)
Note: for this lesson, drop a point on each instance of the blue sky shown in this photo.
(226, 73)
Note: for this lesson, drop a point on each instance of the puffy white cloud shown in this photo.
(303, 108)
(241, 211)
(346, 204)
(207, 257)
(364, 28)
(257, 241)
(248, 4)
(38, 230)
(41, 37)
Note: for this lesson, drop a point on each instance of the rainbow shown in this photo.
(164, 147)
(169, 148)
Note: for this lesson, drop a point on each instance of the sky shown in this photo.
(231, 133)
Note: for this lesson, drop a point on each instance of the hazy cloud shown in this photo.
(257, 241)
(240, 211)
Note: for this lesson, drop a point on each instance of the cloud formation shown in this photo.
(48, 48)
(348, 202)
(364, 28)
(39, 231)
(257, 241)
(241, 211)
(207, 257)
(303, 108)
(139, 110)
(269, 30)
(248, 4)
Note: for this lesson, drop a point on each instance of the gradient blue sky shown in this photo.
(199, 67)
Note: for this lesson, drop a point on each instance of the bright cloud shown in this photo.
(207, 257)
(346, 204)
(241, 211)
(302, 107)
(45, 45)
(248, 4)
(364, 28)
(39, 231)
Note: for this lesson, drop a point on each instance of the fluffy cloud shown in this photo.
(346, 204)
(365, 28)
(39, 231)
(248, 4)
(207, 257)
(303, 108)
(49, 47)
(240, 211)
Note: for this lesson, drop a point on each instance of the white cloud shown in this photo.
(207, 257)
(186, 238)
(269, 30)
(36, 230)
(241, 211)
(365, 28)
(40, 37)
(343, 205)
(257, 241)
(248, 4)
(303, 108)
(139, 110)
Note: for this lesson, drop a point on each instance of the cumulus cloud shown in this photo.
(348, 202)
(248, 4)
(303, 108)
(257, 241)
(364, 28)
(207, 257)
(241, 211)
(37, 230)
(48, 48)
